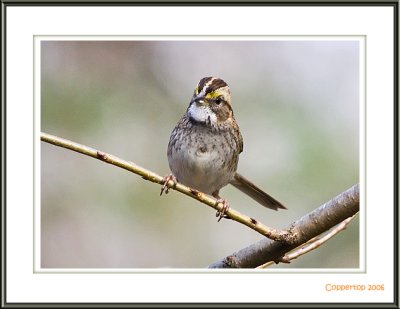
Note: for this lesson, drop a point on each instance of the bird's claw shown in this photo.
(222, 213)
(166, 186)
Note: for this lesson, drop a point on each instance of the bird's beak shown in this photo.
(199, 100)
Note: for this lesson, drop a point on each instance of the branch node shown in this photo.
(289, 236)
(195, 192)
(231, 262)
(102, 155)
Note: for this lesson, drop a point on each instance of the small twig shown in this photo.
(312, 244)
(153, 177)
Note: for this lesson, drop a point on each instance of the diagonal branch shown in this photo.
(153, 177)
(312, 244)
(280, 242)
(323, 218)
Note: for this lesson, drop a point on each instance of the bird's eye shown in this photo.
(218, 100)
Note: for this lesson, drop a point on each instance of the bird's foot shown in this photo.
(166, 186)
(225, 206)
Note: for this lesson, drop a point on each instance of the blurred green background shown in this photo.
(297, 105)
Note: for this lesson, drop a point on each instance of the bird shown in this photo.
(204, 147)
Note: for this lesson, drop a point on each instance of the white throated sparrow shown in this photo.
(204, 147)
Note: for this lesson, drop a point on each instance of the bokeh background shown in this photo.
(297, 105)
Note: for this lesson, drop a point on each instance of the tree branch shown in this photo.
(153, 177)
(312, 244)
(323, 218)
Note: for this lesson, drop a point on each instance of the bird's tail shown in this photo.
(249, 188)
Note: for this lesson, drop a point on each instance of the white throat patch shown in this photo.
(201, 113)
